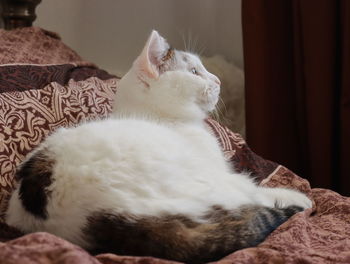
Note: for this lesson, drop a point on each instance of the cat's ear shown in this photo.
(151, 56)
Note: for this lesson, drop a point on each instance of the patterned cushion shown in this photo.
(242, 158)
(34, 46)
(43, 85)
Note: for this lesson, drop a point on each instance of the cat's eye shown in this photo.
(194, 71)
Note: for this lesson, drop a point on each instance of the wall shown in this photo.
(112, 32)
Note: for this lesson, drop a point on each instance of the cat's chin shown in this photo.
(209, 107)
(209, 111)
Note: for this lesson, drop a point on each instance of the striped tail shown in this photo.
(180, 238)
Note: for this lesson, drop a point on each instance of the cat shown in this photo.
(150, 180)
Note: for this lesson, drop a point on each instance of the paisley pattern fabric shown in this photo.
(57, 96)
(242, 158)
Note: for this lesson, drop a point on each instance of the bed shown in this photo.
(45, 85)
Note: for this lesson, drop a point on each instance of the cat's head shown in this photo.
(168, 83)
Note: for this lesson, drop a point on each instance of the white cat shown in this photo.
(151, 180)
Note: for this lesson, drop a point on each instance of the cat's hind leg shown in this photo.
(282, 197)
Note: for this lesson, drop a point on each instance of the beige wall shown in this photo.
(112, 32)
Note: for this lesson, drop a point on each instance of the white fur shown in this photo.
(154, 156)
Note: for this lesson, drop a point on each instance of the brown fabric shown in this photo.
(297, 64)
(318, 235)
(34, 46)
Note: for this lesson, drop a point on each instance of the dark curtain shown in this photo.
(297, 68)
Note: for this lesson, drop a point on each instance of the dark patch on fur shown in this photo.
(35, 176)
(180, 238)
(168, 61)
(169, 55)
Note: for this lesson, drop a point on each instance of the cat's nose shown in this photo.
(217, 81)
(214, 78)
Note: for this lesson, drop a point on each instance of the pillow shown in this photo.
(241, 157)
(43, 85)
(34, 45)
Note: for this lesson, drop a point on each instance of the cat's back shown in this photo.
(114, 160)
(132, 147)
(113, 136)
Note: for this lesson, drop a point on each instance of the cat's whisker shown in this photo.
(215, 115)
(220, 112)
(184, 40)
(195, 44)
(223, 112)
(197, 48)
(190, 42)
(201, 50)
(222, 102)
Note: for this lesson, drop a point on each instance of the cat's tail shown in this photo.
(177, 237)
(246, 227)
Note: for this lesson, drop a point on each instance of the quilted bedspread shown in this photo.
(317, 235)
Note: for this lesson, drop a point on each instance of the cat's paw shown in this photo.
(287, 197)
